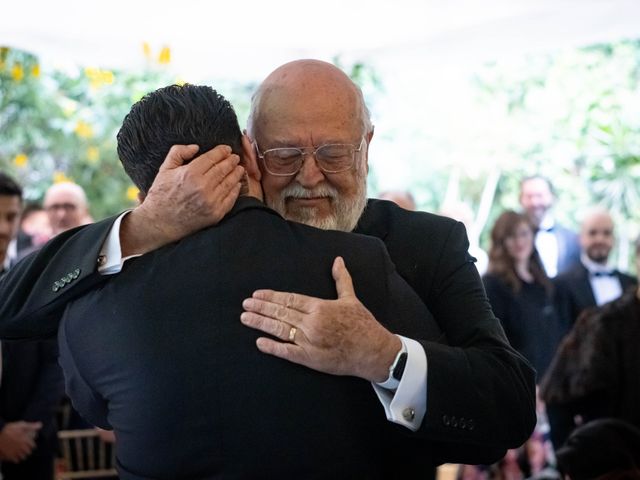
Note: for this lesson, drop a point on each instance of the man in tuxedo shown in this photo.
(557, 245)
(592, 282)
(31, 383)
(480, 391)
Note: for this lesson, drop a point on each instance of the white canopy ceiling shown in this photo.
(247, 39)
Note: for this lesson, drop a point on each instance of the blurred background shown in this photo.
(467, 97)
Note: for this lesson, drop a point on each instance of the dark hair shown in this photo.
(9, 187)
(599, 447)
(177, 114)
(502, 264)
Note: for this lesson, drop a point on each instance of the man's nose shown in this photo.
(310, 174)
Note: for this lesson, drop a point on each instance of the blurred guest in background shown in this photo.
(31, 385)
(557, 245)
(67, 207)
(595, 371)
(605, 449)
(34, 227)
(592, 281)
(402, 198)
(520, 292)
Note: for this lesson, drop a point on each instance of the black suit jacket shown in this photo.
(159, 354)
(31, 387)
(568, 248)
(574, 293)
(480, 391)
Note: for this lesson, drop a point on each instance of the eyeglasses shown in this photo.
(67, 207)
(331, 158)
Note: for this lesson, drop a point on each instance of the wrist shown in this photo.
(139, 233)
(396, 370)
(386, 358)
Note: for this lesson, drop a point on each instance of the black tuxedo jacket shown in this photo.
(574, 293)
(568, 248)
(480, 391)
(31, 387)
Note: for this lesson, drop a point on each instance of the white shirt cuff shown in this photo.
(111, 260)
(407, 406)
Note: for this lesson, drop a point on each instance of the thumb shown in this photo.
(344, 284)
(177, 155)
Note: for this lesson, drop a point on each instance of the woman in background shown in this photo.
(520, 292)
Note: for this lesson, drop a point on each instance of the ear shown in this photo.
(368, 138)
(141, 197)
(250, 159)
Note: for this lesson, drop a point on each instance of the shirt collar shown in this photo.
(594, 267)
(547, 223)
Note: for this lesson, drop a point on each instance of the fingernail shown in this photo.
(244, 317)
(246, 303)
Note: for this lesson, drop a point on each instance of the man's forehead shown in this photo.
(10, 204)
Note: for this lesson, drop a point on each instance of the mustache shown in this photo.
(297, 191)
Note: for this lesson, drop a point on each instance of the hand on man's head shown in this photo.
(183, 198)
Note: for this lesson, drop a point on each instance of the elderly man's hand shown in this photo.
(339, 337)
(183, 198)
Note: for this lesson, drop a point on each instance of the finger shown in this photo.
(177, 155)
(286, 351)
(223, 184)
(268, 325)
(272, 310)
(33, 425)
(227, 202)
(295, 301)
(209, 159)
(342, 277)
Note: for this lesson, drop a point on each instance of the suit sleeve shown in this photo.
(481, 391)
(33, 294)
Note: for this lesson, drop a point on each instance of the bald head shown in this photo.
(305, 105)
(66, 206)
(317, 86)
(596, 235)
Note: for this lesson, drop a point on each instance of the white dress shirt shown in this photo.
(605, 285)
(547, 246)
(406, 406)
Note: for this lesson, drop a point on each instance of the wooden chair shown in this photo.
(85, 455)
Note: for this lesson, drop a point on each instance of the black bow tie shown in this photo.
(605, 273)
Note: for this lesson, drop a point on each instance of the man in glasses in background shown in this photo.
(67, 207)
(471, 400)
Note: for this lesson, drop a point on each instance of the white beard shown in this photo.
(346, 211)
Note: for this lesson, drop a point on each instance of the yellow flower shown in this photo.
(83, 129)
(93, 154)
(21, 160)
(60, 177)
(17, 72)
(132, 193)
(180, 81)
(35, 70)
(146, 49)
(107, 77)
(165, 55)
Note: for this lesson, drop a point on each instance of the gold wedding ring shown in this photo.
(292, 334)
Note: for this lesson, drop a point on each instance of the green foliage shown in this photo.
(57, 125)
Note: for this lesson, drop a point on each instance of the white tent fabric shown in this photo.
(248, 39)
